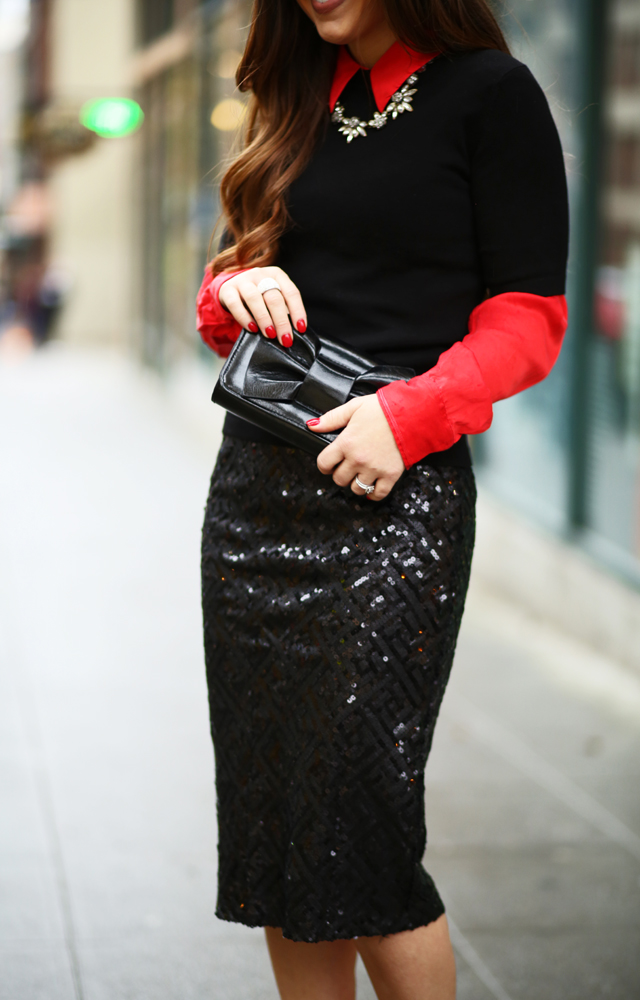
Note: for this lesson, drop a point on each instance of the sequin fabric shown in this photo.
(330, 625)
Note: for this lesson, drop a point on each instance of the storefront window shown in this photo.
(155, 18)
(192, 110)
(524, 457)
(614, 419)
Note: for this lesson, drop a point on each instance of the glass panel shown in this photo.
(191, 109)
(524, 455)
(155, 17)
(614, 452)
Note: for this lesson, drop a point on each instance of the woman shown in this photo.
(435, 239)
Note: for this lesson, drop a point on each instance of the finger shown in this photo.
(358, 490)
(329, 458)
(277, 306)
(366, 475)
(234, 304)
(334, 419)
(382, 490)
(255, 302)
(344, 473)
(294, 302)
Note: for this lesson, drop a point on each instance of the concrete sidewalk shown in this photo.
(107, 822)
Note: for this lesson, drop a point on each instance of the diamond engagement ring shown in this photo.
(363, 486)
(267, 284)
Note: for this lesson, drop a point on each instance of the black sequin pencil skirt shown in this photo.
(330, 626)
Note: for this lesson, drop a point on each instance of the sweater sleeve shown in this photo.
(217, 327)
(513, 342)
(519, 189)
(519, 193)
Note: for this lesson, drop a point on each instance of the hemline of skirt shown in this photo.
(399, 928)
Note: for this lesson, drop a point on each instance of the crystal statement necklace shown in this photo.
(399, 103)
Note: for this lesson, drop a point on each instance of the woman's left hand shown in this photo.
(366, 448)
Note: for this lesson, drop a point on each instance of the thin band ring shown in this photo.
(363, 486)
(267, 284)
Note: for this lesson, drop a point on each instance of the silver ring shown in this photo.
(363, 486)
(267, 284)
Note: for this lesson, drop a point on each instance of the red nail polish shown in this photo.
(270, 332)
(313, 422)
(287, 340)
(301, 326)
(252, 327)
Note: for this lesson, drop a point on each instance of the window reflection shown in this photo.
(615, 418)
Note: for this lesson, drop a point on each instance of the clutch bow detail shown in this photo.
(279, 389)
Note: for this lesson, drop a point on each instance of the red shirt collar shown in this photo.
(387, 75)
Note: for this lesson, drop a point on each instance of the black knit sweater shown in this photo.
(397, 236)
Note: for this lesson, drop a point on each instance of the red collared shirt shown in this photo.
(386, 76)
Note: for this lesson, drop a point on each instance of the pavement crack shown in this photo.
(475, 963)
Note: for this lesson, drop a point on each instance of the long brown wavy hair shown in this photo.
(288, 69)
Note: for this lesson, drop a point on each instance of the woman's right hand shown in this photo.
(274, 312)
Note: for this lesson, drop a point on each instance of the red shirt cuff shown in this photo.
(425, 415)
(217, 327)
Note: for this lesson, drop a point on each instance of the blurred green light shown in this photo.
(112, 117)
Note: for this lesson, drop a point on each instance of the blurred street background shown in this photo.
(116, 119)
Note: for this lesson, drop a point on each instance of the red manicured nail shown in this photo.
(270, 332)
(313, 422)
(287, 340)
(301, 326)
(252, 327)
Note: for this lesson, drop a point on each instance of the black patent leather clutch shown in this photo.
(279, 388)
